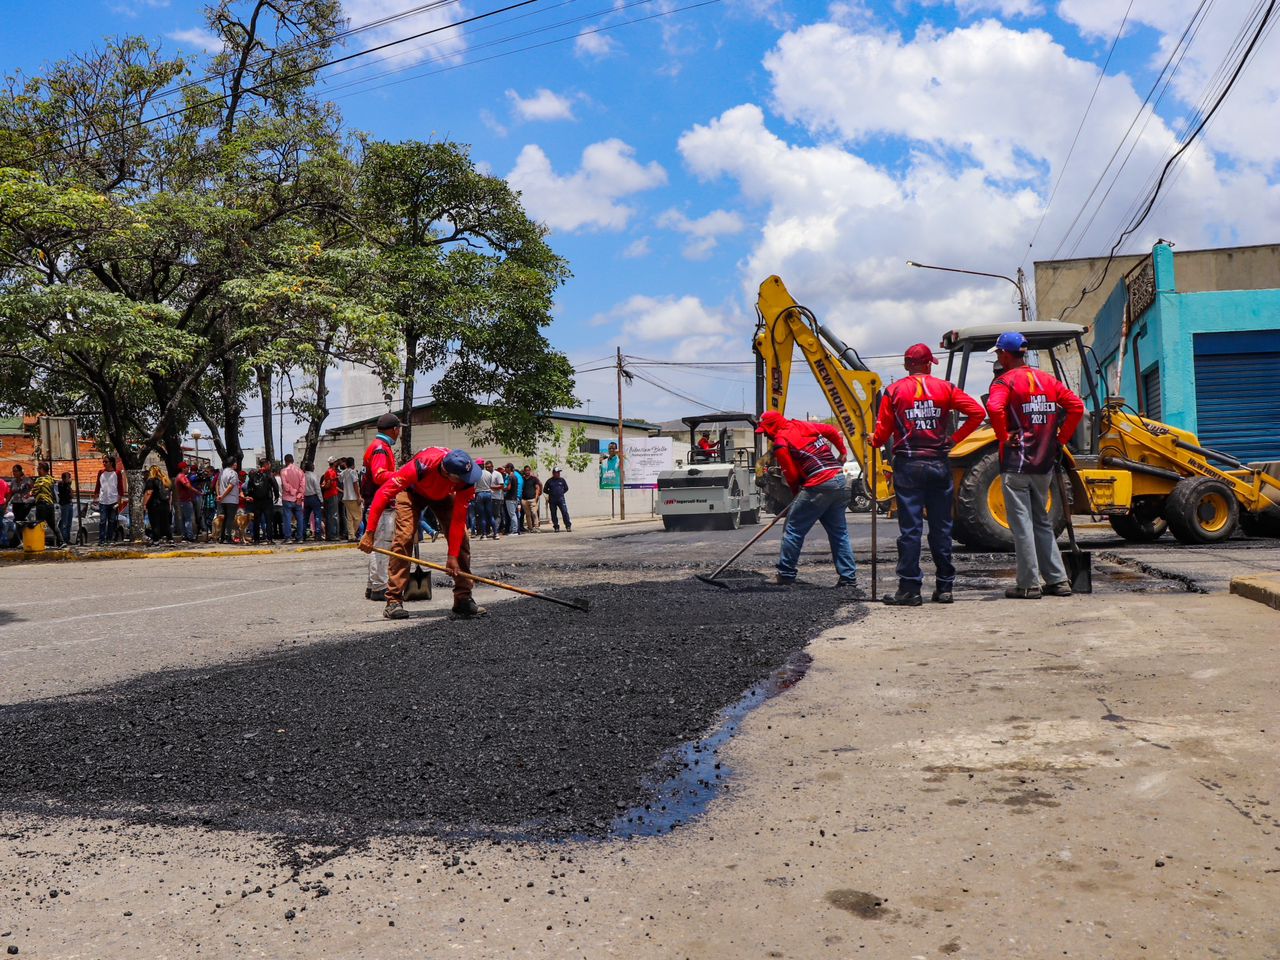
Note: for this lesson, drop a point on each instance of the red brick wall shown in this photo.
(21, 449)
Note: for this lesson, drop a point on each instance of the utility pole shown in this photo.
(622, 470)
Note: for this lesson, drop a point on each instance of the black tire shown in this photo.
(1260, 524)
(859, 498)
(751, 516)
(1202, 510)
(974, 524)
(1137, 530)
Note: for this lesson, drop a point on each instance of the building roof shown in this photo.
(570, 416)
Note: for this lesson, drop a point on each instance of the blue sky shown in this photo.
(681, 160)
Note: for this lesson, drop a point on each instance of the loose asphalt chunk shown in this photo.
(533, 721)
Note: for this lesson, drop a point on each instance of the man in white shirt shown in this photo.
(349, 480)
(228, 492)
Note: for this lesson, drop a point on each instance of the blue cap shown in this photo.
(459, 465)
(1011, 342)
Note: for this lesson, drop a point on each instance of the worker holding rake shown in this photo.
(444, 480)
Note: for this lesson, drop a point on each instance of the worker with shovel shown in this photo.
(914, 411)
(811, 456)
(444, 480)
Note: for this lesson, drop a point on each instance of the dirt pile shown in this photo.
(535, 720)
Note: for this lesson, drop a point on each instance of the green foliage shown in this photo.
(559, 453)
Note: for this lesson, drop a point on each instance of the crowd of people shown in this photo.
(268, 503)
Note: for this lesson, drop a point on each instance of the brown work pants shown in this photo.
(408, 510)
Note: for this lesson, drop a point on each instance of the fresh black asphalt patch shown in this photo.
(533, 721)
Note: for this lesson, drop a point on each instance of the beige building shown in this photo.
(741, 432)
(585, 498)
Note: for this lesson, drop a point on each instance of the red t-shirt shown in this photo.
(422, 476)
(809, 453)
(1030, 410)
(913, 411)
(329, 484)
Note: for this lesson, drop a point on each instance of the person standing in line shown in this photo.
(511, 499)
(44, 493)
(555, 489)
(915, 412)
(293, 488)
(444, 480)
(529, 494)
(108, 491)
(262, 496)
(277, 508)
(228, 495)
(349, 479)
(497, 486)
(66, 496)
(484, 502)
(186, 496)
(331, 491)
(811, 456)
(379, 464)
(312, 504)
(157, 506)
(1033, 415)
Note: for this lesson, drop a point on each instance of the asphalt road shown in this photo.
(1091, 777)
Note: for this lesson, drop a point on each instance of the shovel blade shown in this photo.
(1079, 564)
(711, 580)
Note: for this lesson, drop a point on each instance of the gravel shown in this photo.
(535, 721)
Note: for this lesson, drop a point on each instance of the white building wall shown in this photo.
(585, 498)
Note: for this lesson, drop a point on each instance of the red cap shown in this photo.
(919, 353)
(770, 421)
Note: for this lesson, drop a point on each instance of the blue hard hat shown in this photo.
(1011, 342)
(459, 465)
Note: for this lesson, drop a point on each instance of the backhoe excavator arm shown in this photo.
(851, 388)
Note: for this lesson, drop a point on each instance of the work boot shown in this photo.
(467, 609)
(394, 610)
(942, 596)
(1062, 589)
(904, 598)
(781, 581)
(1023, 593)
(376, 595)
(847, 582)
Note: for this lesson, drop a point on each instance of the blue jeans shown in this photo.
(825, 504)
(64, 522)
(108, 518)
(923, 487)
(331, 505)
(187, 512)
(555, 505)
(292, 515)
(484, 514)
(313, 516)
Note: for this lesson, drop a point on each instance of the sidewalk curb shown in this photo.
(54, 556)
(1264, 589)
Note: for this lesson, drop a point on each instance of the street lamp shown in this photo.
(1018, 284)
(196, 435)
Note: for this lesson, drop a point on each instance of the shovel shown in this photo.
(711, 578)
(577, 604)
(1079, 563)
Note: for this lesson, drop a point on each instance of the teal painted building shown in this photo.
(1207, 361)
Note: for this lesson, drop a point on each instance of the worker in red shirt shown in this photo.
(811, 456)
(444, 480)
(1033, 415)
(914, 413)
(379, 464)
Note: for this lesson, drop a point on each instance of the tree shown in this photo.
(119, 232)
(559, 453)
(472, 278)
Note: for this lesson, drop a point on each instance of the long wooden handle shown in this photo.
(746, 546)
(493, 583)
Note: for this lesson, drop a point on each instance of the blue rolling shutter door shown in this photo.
(1238, 393)
(1151, 390)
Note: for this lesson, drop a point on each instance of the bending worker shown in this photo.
(914, 412)
(1033, 415)
(444, 480)
(379, 465)
(811, 456)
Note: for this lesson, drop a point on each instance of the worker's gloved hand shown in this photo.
(452, 567)
(366, 542)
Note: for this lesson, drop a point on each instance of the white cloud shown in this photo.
(666, 319)
(588, 198)
(594, 44)
(132, 8)
(446, 45)
(704, 232)
(637, 248)
(196, 38)
(543, 105)
(493, 123)
(977, 121)
(1006, 8)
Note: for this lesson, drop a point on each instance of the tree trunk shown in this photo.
(264, 390)
(172, 450)
(231, 406)
(406, 413)
(203, 413)
(318, 416)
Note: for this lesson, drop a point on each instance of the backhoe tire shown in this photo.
(976, 523)
(1260, 524)
(1136, 530)
(1202, 510)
